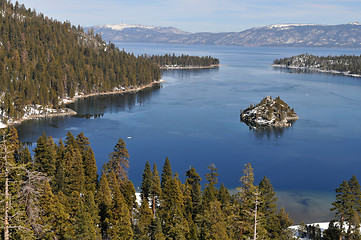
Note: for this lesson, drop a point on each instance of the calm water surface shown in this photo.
(193, 118)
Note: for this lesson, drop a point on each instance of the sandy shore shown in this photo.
(190, 67)
(69, 112)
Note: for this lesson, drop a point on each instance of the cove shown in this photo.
(193, 118)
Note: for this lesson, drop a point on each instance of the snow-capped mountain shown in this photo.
(293, 35)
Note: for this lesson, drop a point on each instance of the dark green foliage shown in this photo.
(223, 195)
(119, 218)
(119, 161)
(332, 232)
(43, 60)
(193, 183)
(214, 226)
(269, 207)
(45, 155)
(183, 60)
(143, 230)
(105, 204)
(175, 225)
(166, 173)
(146, 182)
(155, 189)
(210, 192)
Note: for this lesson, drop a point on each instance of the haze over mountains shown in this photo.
(292, 35)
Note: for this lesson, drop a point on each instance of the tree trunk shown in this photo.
(153, 205)
(7, 198)
(255, 219)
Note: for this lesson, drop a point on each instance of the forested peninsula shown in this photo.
(349, 65)
(43, 61)
(171, 61)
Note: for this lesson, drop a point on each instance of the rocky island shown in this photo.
(269, 113)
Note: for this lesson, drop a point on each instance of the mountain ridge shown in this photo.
(276, 35)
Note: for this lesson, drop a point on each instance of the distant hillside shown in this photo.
(291, 35)
(43, 61)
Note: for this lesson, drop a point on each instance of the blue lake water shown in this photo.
(193, 118)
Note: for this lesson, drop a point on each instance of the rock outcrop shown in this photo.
(269, 113)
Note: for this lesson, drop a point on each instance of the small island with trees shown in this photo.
(269, 113)
(349, 65)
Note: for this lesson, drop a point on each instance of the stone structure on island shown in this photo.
(269, 113)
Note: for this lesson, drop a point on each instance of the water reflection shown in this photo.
(261, 131)
(269, 132)
(97, 106)
(188, 73)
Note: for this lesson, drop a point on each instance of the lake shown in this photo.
(193, 118)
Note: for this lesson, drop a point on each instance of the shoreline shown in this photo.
(69, 112)
(317, 70)
(189, 67)
(129, 90)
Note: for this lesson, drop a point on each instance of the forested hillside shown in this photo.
(346, 64)
(43, 61)
(57, 195)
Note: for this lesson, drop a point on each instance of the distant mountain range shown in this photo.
(292, 35)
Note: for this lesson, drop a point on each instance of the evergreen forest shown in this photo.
(350, 64)
(172, 60)
(43, 61)
(57, 194)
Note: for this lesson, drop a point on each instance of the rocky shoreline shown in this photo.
(269, 113)
(173, 67)
(316, 69)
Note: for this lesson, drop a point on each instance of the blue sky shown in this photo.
(199, 15)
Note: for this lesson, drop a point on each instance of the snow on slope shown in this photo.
(122, 26)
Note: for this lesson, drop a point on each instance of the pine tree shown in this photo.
(54, 215)
(214, 222)
(70, 141)
(224, 196)
(144, 221)
(119, 217)
(92, 210)
(268, 207)
(104, 200)
(59, 181)
(332, 232)
(342, 205)
(247, 194)
(281, 229)
(146, 182)
(45, 155)
(175, 225)
(119, 161)
(210, 192)
(90, 168)
(74, 171)
(166, 173)
(155, 189)
(156, 229)
(193, 182)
